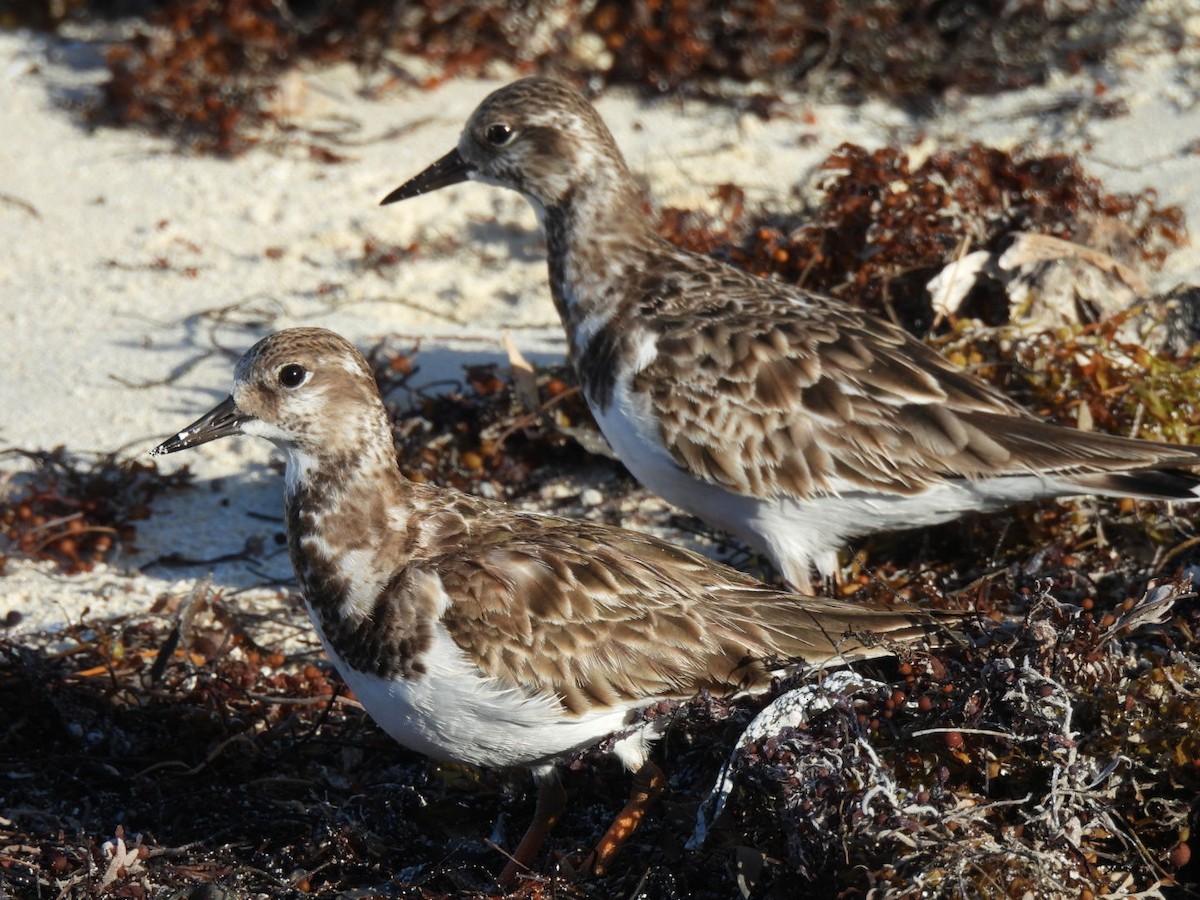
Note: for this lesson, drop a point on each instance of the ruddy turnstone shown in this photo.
(475, 633)
(783, 416)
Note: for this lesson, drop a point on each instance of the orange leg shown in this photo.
(648, 784)
(550, 802)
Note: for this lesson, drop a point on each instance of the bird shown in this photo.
(786, 417)
(476, 633)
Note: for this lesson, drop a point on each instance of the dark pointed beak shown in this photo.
(223, 421)
(450, 169)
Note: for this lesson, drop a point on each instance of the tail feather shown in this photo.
(1086, 457)
(1147, 484)
(820, 629)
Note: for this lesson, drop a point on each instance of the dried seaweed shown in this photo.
(202, 72)
(1036, 757)
(207, 71)
(1060, 749)
(1087, 374)
(863, 46)
(883, 228)
(477, 435)
(78, 511)
(244, 744)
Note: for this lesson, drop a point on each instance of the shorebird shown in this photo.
(475, 633)
(786, 417)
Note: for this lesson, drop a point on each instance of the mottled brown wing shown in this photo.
(796, 395)
(603, 617)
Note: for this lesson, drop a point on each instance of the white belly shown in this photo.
(452, 712)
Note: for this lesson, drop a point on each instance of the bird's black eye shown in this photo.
(291, 376)
(499, 134)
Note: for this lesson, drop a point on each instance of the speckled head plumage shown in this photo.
(534, 136)
(283, 388)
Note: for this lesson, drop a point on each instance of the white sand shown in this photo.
(117, 249)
